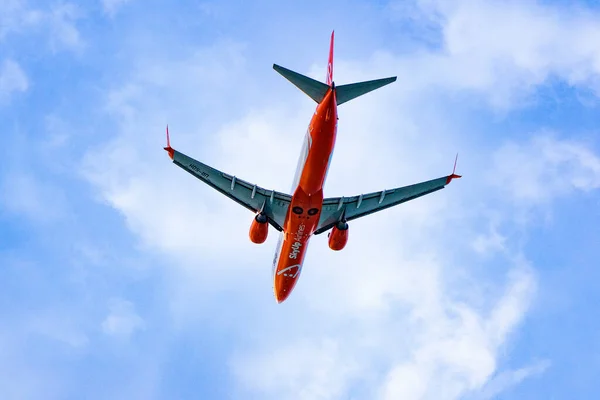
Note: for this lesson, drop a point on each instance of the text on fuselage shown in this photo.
(297, 242)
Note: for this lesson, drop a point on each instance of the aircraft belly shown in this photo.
(315, 168)
(304, 210)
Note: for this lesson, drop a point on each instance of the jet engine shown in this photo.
(259, 229)
(338, 237)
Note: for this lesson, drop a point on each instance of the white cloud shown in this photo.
(29, 195)
(502, 50)
(300, 369)
(508, 379)
(111, 7)
(17, 17)
(12, 79)
(491, 242)
(64, 33)
(544, 168)
(122, 320)
(439, 349)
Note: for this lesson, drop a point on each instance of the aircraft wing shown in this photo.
(349, 208)
(254, 198)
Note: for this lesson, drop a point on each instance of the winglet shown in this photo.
(453, 176)
(169, 149)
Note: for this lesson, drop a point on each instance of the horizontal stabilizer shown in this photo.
(314, 89)
(351, 91)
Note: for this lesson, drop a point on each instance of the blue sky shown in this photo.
(123, 277)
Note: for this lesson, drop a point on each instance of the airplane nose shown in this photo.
(281, 295)
(285, 281)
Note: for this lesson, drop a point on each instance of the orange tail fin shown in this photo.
(330, 63)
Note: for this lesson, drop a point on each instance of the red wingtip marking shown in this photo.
(453, 176)
(169, 149)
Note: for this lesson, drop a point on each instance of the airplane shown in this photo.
(305, 212)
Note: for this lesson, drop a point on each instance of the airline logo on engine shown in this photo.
(297, 241)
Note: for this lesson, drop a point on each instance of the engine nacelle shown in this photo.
(338, 237)
(259, 229)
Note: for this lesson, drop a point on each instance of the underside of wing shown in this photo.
(273, 204)
(349, 208)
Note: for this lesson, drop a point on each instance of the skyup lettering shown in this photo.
(297, 244)
(295, 250)
(300, 233)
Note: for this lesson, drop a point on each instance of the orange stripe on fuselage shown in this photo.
(308, 195)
